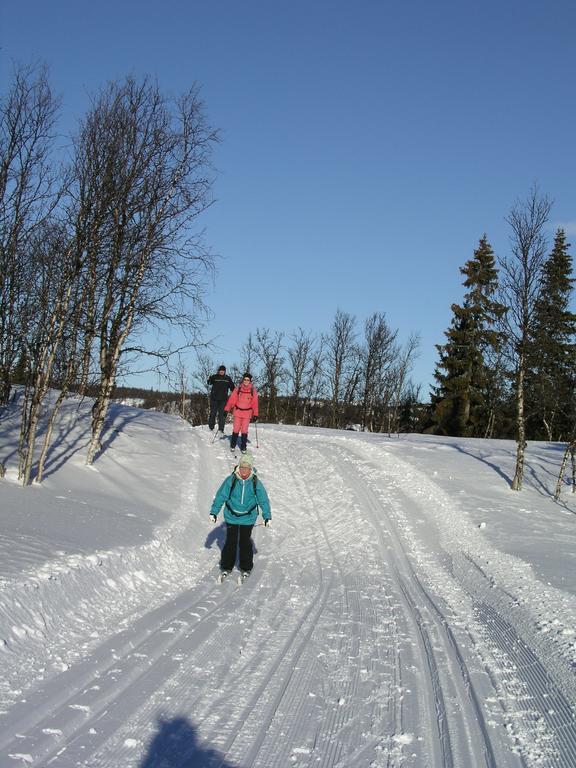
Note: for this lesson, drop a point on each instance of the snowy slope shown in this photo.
(405, 609)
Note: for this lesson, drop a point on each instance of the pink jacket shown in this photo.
(244, 398)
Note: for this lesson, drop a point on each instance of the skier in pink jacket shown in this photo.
(244, 403)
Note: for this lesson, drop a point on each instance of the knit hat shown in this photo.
(246, 460)
(221, 367)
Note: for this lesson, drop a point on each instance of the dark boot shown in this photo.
(243, 442)
(233, 440)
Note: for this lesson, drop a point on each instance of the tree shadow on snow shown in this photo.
(115, 426)
(176, 745)
(63, 448)
(490, 464)
(545, 472)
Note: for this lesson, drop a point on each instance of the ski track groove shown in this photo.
(549, 689)
(288, 694)
(263, 707)
(496, 627)
(339, 715)
(403, 583)
(462, 734)
(126, 660)
(331, 730)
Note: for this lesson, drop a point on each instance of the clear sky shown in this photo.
(366, 146)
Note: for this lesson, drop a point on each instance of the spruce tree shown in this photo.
(551, 369)
(462, 403)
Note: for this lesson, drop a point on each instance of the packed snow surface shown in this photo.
(406, 607)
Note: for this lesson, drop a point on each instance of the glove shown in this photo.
(213, 518)
(254, 419)
(267, 523)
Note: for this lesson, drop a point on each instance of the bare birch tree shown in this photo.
(401, 370)
(520, 281)
(339, 347)
(569, 453)
(205, 368)
(27, 196)
(248, 359)
(53, 293)
(314, 384)
(269, 350)
(377, 355)
(300, 357)
(141, 181)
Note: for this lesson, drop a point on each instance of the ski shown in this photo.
(222, 576)
(242, 578)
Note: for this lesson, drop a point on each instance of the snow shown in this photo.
(406, 608)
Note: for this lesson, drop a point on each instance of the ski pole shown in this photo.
(256, 430)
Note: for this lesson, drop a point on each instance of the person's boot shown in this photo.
(243, 442)
(233, 441)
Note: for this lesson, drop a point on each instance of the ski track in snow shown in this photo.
(364, 637)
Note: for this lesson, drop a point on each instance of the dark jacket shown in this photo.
(221, 386)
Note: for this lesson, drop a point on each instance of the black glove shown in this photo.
(254, 419)
(267, 523)
(213, 518)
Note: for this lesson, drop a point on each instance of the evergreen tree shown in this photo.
(461, 402)
(552, 350)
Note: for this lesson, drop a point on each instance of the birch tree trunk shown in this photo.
(520, 430)
(521, 286)
(569, 452)
(110, 351)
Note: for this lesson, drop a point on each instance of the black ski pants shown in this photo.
(217, 411)
(235, 533)
(243, 440)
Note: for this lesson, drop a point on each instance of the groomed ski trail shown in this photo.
(358, 640)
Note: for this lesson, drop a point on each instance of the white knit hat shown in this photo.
(246, 460)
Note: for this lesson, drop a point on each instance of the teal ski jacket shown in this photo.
(241, 500)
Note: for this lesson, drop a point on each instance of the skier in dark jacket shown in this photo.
(221, 385)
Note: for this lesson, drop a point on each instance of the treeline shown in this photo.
(348, 376)
(98, 247)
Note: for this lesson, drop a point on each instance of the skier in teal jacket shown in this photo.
(241, 494)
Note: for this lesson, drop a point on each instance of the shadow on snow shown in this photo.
(218, 535)
(176, 745)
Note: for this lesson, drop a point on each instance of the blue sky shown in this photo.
(366, 146)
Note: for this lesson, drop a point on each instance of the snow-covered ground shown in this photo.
(406, 608)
